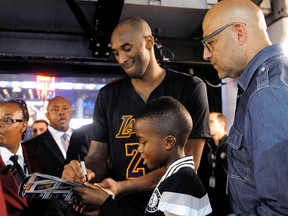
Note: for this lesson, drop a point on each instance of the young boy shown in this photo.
(162, 127)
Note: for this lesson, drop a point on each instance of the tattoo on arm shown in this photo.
(97, 158)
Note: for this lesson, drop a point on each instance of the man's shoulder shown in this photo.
(181, 76)
(114, 86)
(32, 158)
(38, 139)
(117, 82)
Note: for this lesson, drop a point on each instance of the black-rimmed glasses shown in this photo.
(204, 40)
(9, 121)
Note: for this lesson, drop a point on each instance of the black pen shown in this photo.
(83, 167)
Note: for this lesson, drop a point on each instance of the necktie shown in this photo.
(16, 169)
(65, 141)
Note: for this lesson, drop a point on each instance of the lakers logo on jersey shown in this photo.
(127, 127)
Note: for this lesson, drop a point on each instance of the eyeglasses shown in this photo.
(56, 109)
(208, 45)
(9, 121)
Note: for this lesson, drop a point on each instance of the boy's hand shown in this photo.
(111, 185)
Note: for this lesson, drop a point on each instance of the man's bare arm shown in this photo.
(195, 147)
(143, 183)
(97, 159)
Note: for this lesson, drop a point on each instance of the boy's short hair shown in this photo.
(169, 117)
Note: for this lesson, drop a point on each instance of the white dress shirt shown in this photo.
(57, 135)
(6, 154)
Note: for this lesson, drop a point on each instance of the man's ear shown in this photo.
(241, 32)
(170, 142)
(149, 41)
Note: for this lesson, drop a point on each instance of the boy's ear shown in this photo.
(170, 142)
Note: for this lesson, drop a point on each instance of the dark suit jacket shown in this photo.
(16, 205)
(46, 147)
(52, 163)
(79, 142)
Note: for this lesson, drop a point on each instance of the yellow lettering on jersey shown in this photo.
(127, 127)
(134, 168)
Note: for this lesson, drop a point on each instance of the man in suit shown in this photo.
(50, 144)
(52, 147)
(14, 118)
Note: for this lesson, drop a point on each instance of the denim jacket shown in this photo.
(258, 139)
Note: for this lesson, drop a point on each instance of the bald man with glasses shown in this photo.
(237, 44)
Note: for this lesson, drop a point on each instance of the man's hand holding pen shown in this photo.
(83, 166)
(74, 172)
(92, 196)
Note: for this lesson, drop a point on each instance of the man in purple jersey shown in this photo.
(114, 149)
(163, 127)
